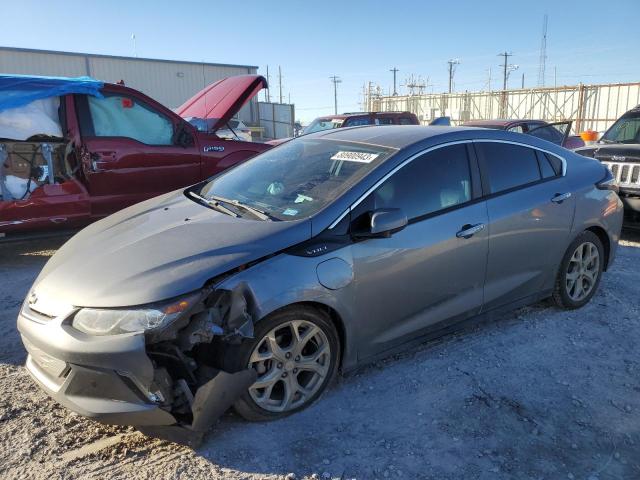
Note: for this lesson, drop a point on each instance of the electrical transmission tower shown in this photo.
(543, 52)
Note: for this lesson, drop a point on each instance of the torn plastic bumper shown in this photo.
(164, 384)
(210, 402)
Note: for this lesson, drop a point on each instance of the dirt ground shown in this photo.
(536, 394)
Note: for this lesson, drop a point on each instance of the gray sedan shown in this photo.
(254, 288)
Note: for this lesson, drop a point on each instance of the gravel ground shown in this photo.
(536, 394)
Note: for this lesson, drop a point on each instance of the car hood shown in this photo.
(222, 100)
(606, 151)
(158, 249)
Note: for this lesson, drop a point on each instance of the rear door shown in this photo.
(130, 150)
(530, 212)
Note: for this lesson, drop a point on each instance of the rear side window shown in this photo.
(122, 116)
(507, 166)
(435, 181)
(406, 121)
(384, 121)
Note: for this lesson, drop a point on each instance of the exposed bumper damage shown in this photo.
(170, 384)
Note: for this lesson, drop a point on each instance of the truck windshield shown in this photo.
(625, 130)
(320, 124)
(298, 178)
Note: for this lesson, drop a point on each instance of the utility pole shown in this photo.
(280, 81)
(506, 56)
(135, 50)
(452, 70)
(336, 80)
(523, 80)
(267, 94)
(394, 70)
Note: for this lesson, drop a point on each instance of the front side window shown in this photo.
(406, 121)
(298, 178)
(435, 181)
(122, 116)
(507, 166)
(625, 130)
(356, 121)
(384, 121)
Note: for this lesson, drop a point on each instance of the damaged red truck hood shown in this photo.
(158, 249)
(222, 100)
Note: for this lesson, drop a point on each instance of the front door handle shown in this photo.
(469, 231)
(561, 197)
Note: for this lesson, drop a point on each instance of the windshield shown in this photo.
(320, 124)
(298, 178)
(625, 130)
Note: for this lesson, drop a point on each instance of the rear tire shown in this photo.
(293, 369)
(580, 272)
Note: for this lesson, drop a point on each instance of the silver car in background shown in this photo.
(254, 288)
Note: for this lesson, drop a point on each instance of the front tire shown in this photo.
(296, 352)
(580, 272)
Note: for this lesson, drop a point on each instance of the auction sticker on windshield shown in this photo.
(362, 157)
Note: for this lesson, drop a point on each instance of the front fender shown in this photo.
(285, 280)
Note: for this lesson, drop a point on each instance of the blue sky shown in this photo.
(588, 41)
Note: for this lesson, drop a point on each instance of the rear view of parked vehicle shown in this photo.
(558, 132)
(254, 288)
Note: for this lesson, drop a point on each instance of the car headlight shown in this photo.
(115, 321)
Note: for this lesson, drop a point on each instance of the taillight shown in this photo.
(608, 182)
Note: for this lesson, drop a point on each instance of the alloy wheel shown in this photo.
(292, 361)
(582, 271)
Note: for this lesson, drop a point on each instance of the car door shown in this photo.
(530, 210)
(130, 150)
(431, 271)
(553, 132)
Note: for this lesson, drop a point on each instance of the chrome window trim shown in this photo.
(430, 149)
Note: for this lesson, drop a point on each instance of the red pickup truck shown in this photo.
(116, 148)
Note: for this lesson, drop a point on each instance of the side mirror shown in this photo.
(383, 222)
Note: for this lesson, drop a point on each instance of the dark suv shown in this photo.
(619, 149)
(361, 118)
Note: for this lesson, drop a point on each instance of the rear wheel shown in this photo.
(295, 353)
(580, 271)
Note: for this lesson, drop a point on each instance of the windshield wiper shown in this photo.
(215, 204)
(261, 214)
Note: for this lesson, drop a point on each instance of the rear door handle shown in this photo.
(469, 231)
(561, 197)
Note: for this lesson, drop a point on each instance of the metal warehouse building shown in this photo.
(170, 82)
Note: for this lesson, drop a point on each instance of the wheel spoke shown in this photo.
(267, 380)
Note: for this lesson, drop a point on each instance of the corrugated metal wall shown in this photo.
(169, 82)
(593, 107)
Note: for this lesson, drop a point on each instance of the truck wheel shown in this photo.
(295, 352)
(580, 271)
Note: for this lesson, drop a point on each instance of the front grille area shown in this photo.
(626, 174)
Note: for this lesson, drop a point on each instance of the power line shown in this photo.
(336, 80)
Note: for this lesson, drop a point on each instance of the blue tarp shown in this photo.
(20, 90)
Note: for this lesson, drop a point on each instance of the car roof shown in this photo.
(394, 136)
(502, 122)
(344, 116)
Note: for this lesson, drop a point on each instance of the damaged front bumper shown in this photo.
(113, 379)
